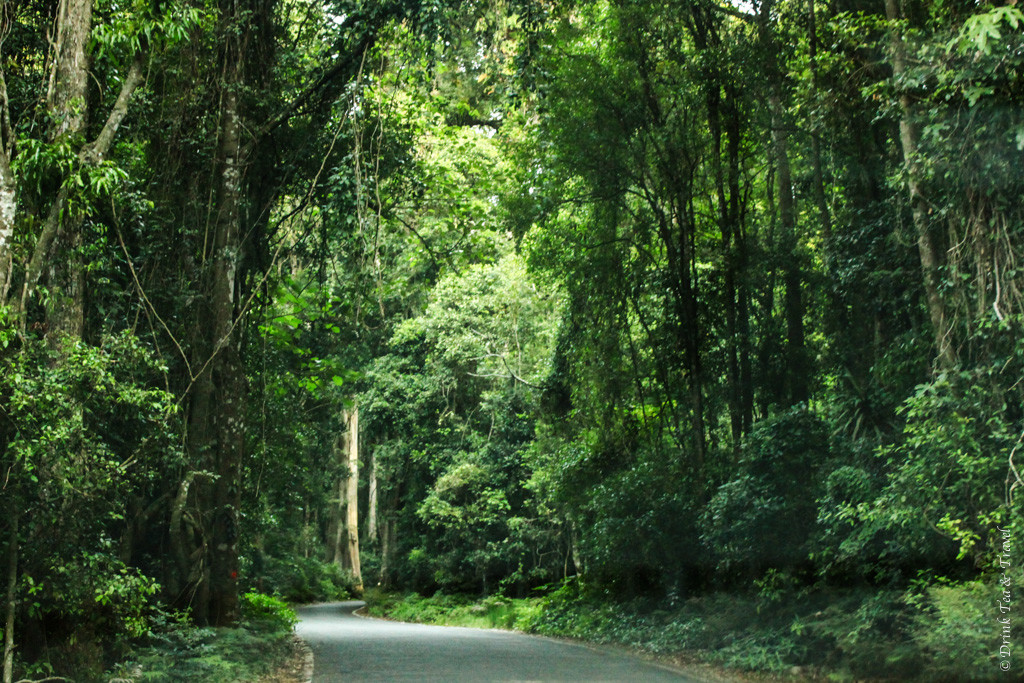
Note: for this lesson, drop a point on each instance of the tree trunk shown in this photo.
(725, 228)
(65, 312)
(8, 210)
(371, 503)
(226, 372)
(387, 545)
(12, 596)
(56, 223)
(352, 502)
(67, 100)
(796, 362)
(818, 185)
(8, 186)
(337, 539)
(216, 424)
(69, 79)
(929, 254)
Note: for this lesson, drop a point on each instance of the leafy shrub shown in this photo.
(958, 629)
(764, 516)
(307, 579)
(456, 610)
(178, 651)
(942, 495)
(267, 613)
(861, 633)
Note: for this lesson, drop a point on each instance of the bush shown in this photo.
(958, 629)
(764, 516)
(456, 610)
(267, 613)
(177, 650)
(303, 580)
(940, 494)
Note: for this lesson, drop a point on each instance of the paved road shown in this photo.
(350, 648)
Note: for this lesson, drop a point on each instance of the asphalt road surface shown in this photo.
(350, 648)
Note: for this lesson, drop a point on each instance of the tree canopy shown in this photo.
(663, 298)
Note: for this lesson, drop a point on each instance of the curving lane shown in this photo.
(351, 648)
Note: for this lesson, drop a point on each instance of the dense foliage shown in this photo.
(607, 299)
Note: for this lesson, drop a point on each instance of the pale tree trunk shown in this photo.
(345, 540)
(56, 222)
(387, 545)
(336, 534)
(66, 94)
(8, 209)
(12, 597)
(371, 502)
(352, 517)
(8, 188)
(574, 549)
(66, 100)
(928, 252)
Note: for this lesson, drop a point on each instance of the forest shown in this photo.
(705, 312)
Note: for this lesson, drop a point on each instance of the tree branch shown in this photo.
(98, 149)
(90, 154)
(511, 374)
(6, 130)
(341, 65)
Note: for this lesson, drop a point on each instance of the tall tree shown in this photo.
(928, 250)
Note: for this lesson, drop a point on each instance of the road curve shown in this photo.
(350, 648)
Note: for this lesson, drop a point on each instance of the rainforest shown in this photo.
(695, 326)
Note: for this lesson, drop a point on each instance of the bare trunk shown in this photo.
(65, 313)
(352, 517)
(338, 545)
(67, 102)
(797, 369)
(8, 187)
(371, 503)
(66, 95)
(574, 546)
(387, 545)
(226, 373)
(728, 221)
(217, 407)
(746, 352)
(8, 210)
(797, 366)
(12, 598)
(818, 185)
(929, 254)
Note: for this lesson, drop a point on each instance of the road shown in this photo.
(351, 648)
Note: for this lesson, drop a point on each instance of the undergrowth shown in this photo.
(932, 632)
(176, 650)
(455, 610)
